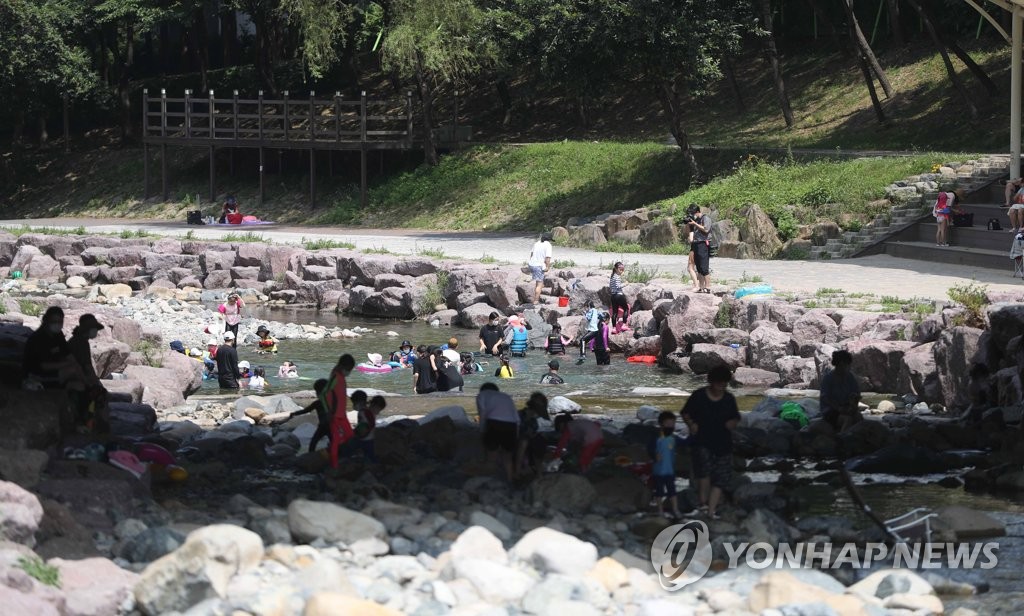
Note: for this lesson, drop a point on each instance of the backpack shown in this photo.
(194, 217)
(713, 240)
(993, 225)
(792, 413)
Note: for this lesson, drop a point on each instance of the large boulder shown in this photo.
(499, 286)
(766, 346)
(799, 371)
(590, 289)
(94, 586)
(890, 329)
(918, 373)
(312, 520)
(553, 552)
(20, 514)
(658, 234)
(755, 377)
(954, 353)
(877, 363)
(1006, 322)
(364, 270)
(198, 570)
(785, 315)
(758, 231)
(588, 235)
(109, 356)
(476, 315)
(812, 328)
(566, 493)
(704, 357)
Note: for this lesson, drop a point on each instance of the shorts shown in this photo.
(716, 467)
(503, 435)
(1017, 206)
(701, 257)
(537, 273)
(942, 217)
(664, 485)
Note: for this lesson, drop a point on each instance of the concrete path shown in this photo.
(881, 274)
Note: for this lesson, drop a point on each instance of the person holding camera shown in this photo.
(700, 245)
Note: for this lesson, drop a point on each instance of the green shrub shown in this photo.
(326, 244)
(618, 247)
(486, 258)
(249, 237)
(435, 253)
(973, 297)
(724, 317)
(640, 273)
(29, 308)
(750, 278)
(129, 234)
(434, 295)
(151, 354)
(377, 250)
(562, 263)
(36, 568)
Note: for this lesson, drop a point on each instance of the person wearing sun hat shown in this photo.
(91, 403)
(405, 355)
(266, 342)
(227, 363)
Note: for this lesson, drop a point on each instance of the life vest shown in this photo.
(520, 339)
(555, 346)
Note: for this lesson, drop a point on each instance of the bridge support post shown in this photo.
(261, 175)
(213, 176)
(362, 177)
(312, 178)
(163, 171)
(145, 171)
(1015, 92)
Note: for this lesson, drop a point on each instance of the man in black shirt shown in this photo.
(227, 363)
(491, 336)
(711, 414)
(424, 375)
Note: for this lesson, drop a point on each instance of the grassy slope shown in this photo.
(545, 183)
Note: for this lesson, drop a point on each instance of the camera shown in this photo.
(688, 219)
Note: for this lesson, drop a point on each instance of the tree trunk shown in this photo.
(229, 38)
(958, 84)
(668, 94)
(895, 23)
(18, 130)
(44, 135)
(124, 84)
(201, 47)
(865, 49)
(979, 73)
(730, 75)
(772, 55)
(507, 102)
(264, 64)
(823, 20)
(862, 62)
(426, 93)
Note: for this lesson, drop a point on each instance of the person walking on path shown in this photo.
(711, 414)
(700, 246)
(540, 262)
(619, 303)
(227, 363)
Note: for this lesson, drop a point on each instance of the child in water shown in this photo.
(556, 342)
(258, 379)
(601, 341)
(288, 370)
(504, 371)
(266, 342)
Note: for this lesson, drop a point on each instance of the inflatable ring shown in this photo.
(642, 359)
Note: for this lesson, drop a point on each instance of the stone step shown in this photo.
(957, 255)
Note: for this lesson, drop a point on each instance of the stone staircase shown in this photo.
(912, 200)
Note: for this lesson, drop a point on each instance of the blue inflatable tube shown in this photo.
(761, 289)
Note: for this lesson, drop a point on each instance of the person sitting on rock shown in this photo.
(48, 363)
(91, 405)
(499, 425)
(266, 342)
(227, 363)
(532, 446)
(840, 394)
(711, 414)
(552, 377)
(581, 435)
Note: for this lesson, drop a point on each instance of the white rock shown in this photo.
(561, 404)
(919, 604)
(494, 582)
(369, 547)
(76, 282)
(311, 520)
(478, 543)
(659, 391)
(479, 518)
(456, 413)
(887, 582)
(886, 406)
(555, 552)
(20, 514)
(648, 413)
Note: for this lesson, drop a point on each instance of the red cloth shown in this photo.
(337, 398)
(234, 218)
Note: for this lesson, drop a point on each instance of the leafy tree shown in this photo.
(323, 27)
(433, 42)
(41, 63)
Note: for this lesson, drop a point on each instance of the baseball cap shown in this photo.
(229, 336)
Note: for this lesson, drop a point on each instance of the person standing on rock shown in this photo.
(336, 398)
(619, 303)
(424, 372)
(663, 471)
(499, 425)
(491, 336)
(840, 394)
(532, 446)
(711, 414)
(90, 404)
(589, 328)
(232, 311)
(700, 246)
(540, 262)
(227, 363)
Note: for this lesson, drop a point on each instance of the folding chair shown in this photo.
(1017, 255)
(915, 525)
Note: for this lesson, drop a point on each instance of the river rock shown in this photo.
(968, 523)
(954, 352)
(553, 552)
(781, 588)
(569, 493)
(754, 377)
(918, 373)
(813, 327)
(561, 404)
(312, 520)
(797, 371)
(199, 569)
(887, 582)
(766, 345)
(495, 526)
(20, 514)
(759, 233)
(704, 357)
(22, 466)
(660, 233)
(478, 543)
(476, 316)
(877, 364)
(94, 586)
(328, 603)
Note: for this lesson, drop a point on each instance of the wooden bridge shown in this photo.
(312, 124)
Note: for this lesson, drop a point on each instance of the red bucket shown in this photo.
(563, 301)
